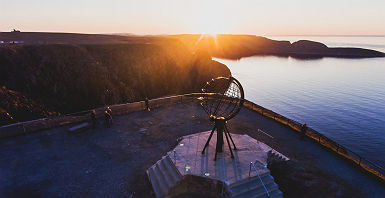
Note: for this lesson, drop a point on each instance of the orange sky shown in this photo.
(262, 17)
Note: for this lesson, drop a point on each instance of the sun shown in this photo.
(210, 20)
(210, 27)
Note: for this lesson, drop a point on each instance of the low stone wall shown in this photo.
(84, 116)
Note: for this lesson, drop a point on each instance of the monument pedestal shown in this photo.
(234, 172)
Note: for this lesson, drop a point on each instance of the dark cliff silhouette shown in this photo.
(238, 46)
(67, 78)
(16, 106)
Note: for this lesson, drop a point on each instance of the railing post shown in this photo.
(256, 171)
(250, 167)
(23, 128)
(174, 156)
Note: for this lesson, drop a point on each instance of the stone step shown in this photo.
(253, 184)
(248, 179)
(154, 182)
(167, 175)
(258, 192)
(276, 194)
(171, 176)
(163, 175)
(276, 155)
(172, 168)
(161, 178)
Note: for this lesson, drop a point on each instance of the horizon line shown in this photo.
(117, 33)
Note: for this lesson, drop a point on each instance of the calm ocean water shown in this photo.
(343, 99)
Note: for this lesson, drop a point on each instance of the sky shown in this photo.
(260, 17)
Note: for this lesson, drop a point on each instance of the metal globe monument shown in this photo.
(222, 98)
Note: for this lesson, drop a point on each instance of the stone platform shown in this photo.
(186, 159)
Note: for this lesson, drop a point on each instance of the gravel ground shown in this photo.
(111, 162)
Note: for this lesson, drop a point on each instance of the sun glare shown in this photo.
(206, 36)
(211, 20)
(210, 27)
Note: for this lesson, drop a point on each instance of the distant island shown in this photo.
(238, 46)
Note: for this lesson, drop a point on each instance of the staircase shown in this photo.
(163, 175)
(253, 188)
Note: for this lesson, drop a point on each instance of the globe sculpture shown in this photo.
(222, 98)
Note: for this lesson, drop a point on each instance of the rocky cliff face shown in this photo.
(16, 106)
(72, 77)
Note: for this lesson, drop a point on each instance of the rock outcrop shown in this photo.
(303, 180)
(15, 106)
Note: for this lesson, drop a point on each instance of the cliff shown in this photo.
(17, 105)
(69, 77)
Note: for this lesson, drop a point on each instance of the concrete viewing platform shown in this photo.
(112, 162)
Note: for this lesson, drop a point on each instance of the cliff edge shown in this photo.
(71, 77)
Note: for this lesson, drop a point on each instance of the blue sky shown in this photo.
(262, 17)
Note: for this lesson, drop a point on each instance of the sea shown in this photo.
(344, 99)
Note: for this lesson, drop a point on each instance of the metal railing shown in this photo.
(260, 179)
(270, 138)
(339, 149)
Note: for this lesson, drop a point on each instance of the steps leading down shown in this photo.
(163, 175)
(252, 187)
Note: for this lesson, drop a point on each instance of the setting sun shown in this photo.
(212, 19)
(210, 24)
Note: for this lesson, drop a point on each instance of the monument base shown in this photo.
(236, 173)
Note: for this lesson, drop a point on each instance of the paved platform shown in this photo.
(188, 159)
(111, 162)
